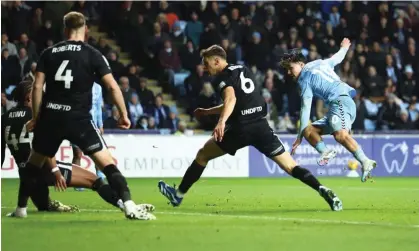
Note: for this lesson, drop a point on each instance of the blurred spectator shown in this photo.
(231, 53)
(132, 75)
(44, 34)
(376, 57)
(257, 52)
(103, 46)
(142, 123)
(19, 16)
(152, 125)
(10, 69)
(135, 109)
(146, 96)
(29, 46)
(411, 57)
(388, 114)
(408, 87)
(189, 56)
(400, 33)
(346, 73)
(170, 61)
(24, 61)
(37, 21)
(334, 17)
(404, 122)
(177, 35)
(5, 44)
(180, 128)
(112, 121)
(194, 29)
(374, 83)
(116, 66)
(173, 121)
(390, 70)
(210, 36)
(160, 112)
(87, 9)
(193, 86)
(126, 89)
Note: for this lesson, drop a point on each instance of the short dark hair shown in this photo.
(214, 50)
(74, 20)
(293, 56)
(21, 90)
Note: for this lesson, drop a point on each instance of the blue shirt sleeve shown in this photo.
(306, 100)
(337, 58)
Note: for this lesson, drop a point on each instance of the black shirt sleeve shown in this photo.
(222, 82)
(100, 64)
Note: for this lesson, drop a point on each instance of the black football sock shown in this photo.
(117, 182)
(23, 195)
(105, 191)
(191, 176)
(306, 177)
(36, 186)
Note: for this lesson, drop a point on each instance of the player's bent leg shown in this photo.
(313, 135)
(344, 138)
(208, 152)
(85, 179)
(288, 164)
(104, 161)
(77, 154)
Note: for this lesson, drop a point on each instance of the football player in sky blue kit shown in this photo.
(96, 112)
(317, 78)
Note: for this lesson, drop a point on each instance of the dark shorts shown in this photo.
(258, 134)
(45, 174)
(49, 134)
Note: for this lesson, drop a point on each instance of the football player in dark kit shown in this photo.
(241, 123)
(34, 183)
(68, 70)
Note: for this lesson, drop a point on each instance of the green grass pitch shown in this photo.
(228, 214)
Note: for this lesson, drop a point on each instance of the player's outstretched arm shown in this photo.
(117, 98)
(339, 56)
(37, 94)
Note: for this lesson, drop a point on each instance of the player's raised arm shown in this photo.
(338, 57)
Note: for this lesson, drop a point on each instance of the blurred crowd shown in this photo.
(164, 39)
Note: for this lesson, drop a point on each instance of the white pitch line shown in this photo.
(268, 218)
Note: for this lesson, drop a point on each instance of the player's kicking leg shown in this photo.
(288, 164)
(312, 134)
(270, 145)
(81, 178)
(210, 151)
(338, 122)
(346, 140)
(118, 183)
